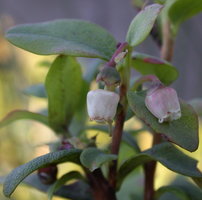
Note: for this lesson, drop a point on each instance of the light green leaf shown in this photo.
(178, 192)
(188, 187)
(197, 105)
(142, 24)
(80, 117)
(160, 1)
(93, 158)
(129, 114)
(181, 10)
(37, 90)
(183, 132)
(167, 155)
(130, 141)
(69, 191)
(146, 64)
(23, 114)
(61, 181)
(68, 37)
(19, 173)
(63, 86)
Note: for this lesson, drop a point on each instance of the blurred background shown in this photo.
(18, 69)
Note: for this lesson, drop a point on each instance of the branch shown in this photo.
(118, 129)
(150, 167)
(168, 42)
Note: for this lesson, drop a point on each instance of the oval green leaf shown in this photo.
(146, 64)
(61, 181)
(63, 86)
(183, 132)
(197, 105)
(19, 173)
(181, 10)
(67, 37)
(69, 191)
(188, 187)
(167, 155)
(23, 114)
(93, 158)
(178, 192)
(142, 24)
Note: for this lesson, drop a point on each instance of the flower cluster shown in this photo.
(102, 104)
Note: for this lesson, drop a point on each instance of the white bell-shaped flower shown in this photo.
(163, 103)
(102, 105)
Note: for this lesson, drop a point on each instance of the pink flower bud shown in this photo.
(163, 103)
(102, 105)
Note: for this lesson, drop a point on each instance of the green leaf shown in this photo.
(61, 181)
(172, 189)
(197, 105)
(68, 37)
(130, 141)
(37, 90)
(129, 114)
(79, 120)
(181, 10)
(142, 24)
(167, 155)
(23, 114)
(183, 132)
(146, 64)
(191, 189)
(93, 158)
(160, 1)
(69, 191)
(19, 173)
(63, 85)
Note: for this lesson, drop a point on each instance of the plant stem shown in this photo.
(168, 42)
(101, 189)
(150, 167)
(149, 171)
(119, 124)
(120, 49)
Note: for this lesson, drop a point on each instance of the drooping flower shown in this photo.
(102, 105)
(163, 103)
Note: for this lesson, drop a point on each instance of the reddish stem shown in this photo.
(120, 48)
(149, 168)
(116, 137)
(101, 189)
(149, 171)
(146, 78)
